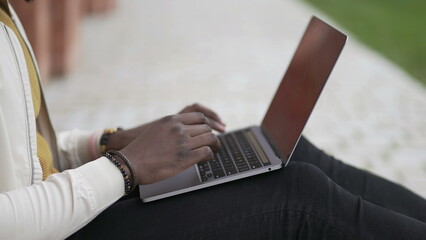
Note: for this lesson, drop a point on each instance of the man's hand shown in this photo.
(216, 122)
(121, 139)
(170, 145)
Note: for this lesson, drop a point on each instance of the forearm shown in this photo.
(62, 204)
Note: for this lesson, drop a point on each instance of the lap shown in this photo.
(299, 200)
(254, 206)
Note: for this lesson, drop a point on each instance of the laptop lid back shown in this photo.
(301, 86)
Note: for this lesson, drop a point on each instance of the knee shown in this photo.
(305, 174)
(306, 184)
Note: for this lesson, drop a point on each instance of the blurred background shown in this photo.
(109, 63)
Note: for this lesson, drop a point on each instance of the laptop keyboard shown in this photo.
(236, 155)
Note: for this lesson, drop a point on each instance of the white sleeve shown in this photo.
(74, 148)
(59, 206)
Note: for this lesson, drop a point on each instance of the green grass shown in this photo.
(395, 28)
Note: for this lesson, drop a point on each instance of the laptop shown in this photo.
(268, 147)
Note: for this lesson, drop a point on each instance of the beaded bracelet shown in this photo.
(128, 187)
(129, 165)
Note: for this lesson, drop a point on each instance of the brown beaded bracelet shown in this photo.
(128, 186)
(129, 165)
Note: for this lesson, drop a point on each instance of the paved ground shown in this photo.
(150, 58)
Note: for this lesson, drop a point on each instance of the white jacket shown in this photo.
(29, 207)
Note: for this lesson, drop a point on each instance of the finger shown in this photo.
(217, 125)
(195, 130)
(208, 112)
(206, 139)
(201, 154)
(193, 118)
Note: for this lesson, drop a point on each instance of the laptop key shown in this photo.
(215, 164)
(216, 168)
(229, 168)
(218, 173)
(203, 167)
(243, 168)
(204, 178)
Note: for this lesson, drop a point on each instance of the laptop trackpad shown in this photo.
(185, 179)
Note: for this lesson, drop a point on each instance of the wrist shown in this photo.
(125, 167)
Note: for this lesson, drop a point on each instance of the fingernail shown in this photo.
(219, 125)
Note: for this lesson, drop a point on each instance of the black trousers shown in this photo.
(314, 197)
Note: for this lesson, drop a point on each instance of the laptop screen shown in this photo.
(301, 86)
